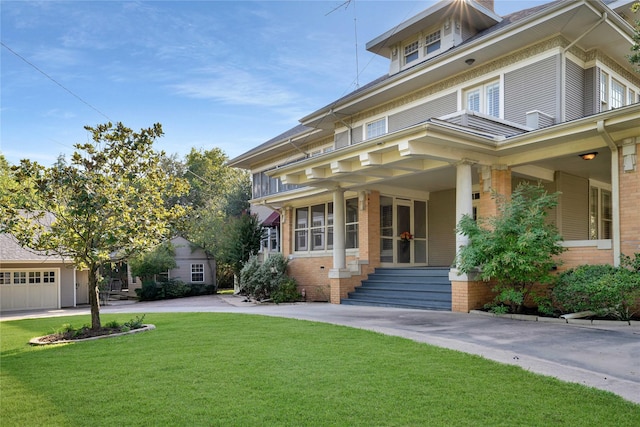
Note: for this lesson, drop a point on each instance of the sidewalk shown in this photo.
(602, 356)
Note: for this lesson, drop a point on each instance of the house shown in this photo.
(193, 266)
(473, 103)
(32, 280)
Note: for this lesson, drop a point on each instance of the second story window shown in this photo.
(432, 43)
(411, 52)
(617, 94)
(376, 128)
(604, 89)
(484, 99)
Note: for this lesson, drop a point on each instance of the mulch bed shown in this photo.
(87, 334)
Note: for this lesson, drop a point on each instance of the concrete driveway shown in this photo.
(605, 356)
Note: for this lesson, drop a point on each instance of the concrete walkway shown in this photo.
(605, 356)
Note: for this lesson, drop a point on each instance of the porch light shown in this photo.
(589, 156)
(470, 61)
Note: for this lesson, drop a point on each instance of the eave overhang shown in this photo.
(465, 10)
(436, 145)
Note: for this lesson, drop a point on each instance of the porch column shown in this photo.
(339, 251)
(464, 202)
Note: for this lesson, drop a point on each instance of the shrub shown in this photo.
(286, 292)
(516, 248)
(152, 291)
(268, 280)
(603, 289)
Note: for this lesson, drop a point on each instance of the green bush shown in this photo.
(287, 292)
(152, 291)
(268, 280)
(606, 290)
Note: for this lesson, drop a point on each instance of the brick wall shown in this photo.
(630, 208)
(574, 257)
(472, 295)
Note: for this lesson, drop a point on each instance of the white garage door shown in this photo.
(22, 289)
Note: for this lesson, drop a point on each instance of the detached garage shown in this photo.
(31, 280)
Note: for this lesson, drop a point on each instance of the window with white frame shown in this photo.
(376, 128)
(632, 96)
(35, 277)
(600, 213)
(5, 277)
(618, 92)
(484, 98)
(604, 89)
(197, 272)
(432, 43)
(49, 276)
(314, 227)
(19, 277)
(411, 52)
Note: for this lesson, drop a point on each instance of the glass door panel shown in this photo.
(386, 229)
(403, 250)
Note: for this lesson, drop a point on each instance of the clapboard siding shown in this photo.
(442, 225)
(418, 114)
(591, 91)
(575, 91)
(531, 88)
(573, 206)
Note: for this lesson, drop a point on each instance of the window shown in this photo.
(632, 97)
(432, 42)
(484, 99)
(314, 227)
(600, 213)
(604, 89)
(264, 185)
(19, 277)
(270, 240)
(376, 128)
(34, 277)
(351, 214)
(5, 278)
(197, 272)
(411, 52)
(617, 94)
(49, 277)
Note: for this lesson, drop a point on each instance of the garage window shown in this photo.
(19, 277)
(35, 277)
(5, 278)
(49, 276)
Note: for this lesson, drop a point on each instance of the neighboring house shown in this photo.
(193, 266)
(30, 280)
(473, 103)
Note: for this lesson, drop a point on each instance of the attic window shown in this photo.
(411, 52)
(432, 42)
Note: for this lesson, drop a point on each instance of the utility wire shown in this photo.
(53, 80)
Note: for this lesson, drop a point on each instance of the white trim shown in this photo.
(600, 244)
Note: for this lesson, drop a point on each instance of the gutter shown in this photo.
(615, 189)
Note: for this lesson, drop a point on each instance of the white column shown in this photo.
(339, 250)
(464, 202)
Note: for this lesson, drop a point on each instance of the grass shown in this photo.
(242, 370)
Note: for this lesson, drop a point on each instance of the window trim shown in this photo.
(194, 272)
(597, 221)
(303, 228)
(412, 50)
(484, 97)
(431, 40)
(366, 128)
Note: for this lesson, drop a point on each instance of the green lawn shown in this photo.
(230, 369)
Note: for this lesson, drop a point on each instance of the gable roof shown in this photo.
(12, 251)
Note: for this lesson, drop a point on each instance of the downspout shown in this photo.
(563, 67)
(615, 190)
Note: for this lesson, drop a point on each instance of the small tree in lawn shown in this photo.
(514, 248)
(106, 205)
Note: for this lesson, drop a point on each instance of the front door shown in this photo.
(403, 231)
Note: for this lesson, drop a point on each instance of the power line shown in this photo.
(56, 82)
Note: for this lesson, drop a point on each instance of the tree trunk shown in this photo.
(94, 298)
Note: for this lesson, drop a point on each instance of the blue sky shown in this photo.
(227, 74)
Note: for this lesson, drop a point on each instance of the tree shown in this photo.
(155, 261)
(104, 206)
(516, 247)
(240, 239)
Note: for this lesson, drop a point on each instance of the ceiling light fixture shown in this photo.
(589, 156)
(469, 61)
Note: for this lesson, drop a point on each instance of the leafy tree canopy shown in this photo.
(155, 261)
(634, 58)
(105, 204)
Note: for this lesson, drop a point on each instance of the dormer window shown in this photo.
(432, 43)
(411, 52)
